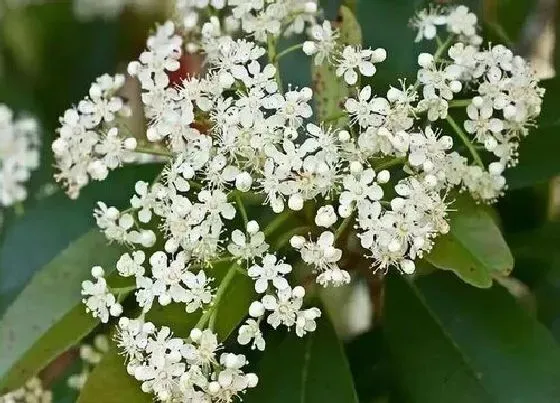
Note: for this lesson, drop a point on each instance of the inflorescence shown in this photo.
(235, 131)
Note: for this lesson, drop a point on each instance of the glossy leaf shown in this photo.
(331, 91)
(110, 383)
(538, 161)
(47, 317)
(453, 342)
(56, 221)
(474, 249)
(312, 369)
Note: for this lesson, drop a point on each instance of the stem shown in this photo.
(122, 290)
(459, 103)
(273, 58)
(389, 164)
(340, 230)
(289, 50)
(152, 151)
(277, 222)
(285, 238)
(209, 315)
(442, 47)
(334, 117)
(19, 209)
(241, 208)
(465, 140)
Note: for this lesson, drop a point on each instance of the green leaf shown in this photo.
(506, 20)
(538, 159)
(235, 305)
(110, 383)
(537, 263)
(474, 248)
(368, 355)
(312, 369)
(56, 221)
(454, 343)
(331, 91)
(47, 318)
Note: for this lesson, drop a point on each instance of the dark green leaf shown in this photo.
(47, 318)
(506, 21)
(537, 259)
(51, 225)
(474, 248)
(312, 369)
(110, 383)
(453, 342)
(369, 361)
(235, 305)
(538, 160)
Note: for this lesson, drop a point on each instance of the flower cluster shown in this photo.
(174, 368)
(256, 19)
(89, 144)
(19, 155)
(506, 102)
(98, 298)
(90, 356)
(349, 61)
(31, 392)
(236, 135)
(459, 21)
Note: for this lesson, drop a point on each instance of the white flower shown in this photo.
(234, 130)
(357, 188)
(326, 216)
(132, 337)
(305, 321)
(88, 146)
(322, 256)
(436, 107)
(461, 21)
(368, 111)
(284, 307)
(131, 266)
(442, 82)
(248, 247)
(31, 392)
(333, 276)
(198, 290)
(116, 226)
(231, 381)
(98, 300)
(143, 201)
(355, 58)
(428, 150)
(481, 123)
(271, 271)
(323, 43)
(292, 108)
(102, 105)
(250, 332)
(426, 22)
(19, 155)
